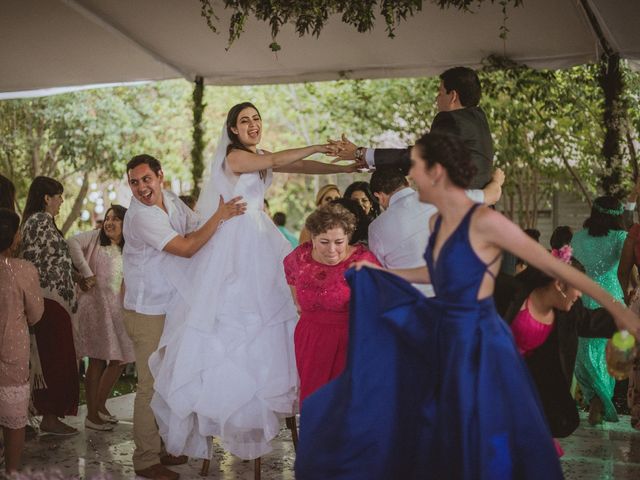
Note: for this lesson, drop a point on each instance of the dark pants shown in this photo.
(54, 335)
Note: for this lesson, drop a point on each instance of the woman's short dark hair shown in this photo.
(366, 189)
(7, 194)
(232, 121)
(449, 152)
(561, 236)
(606, 215)
(145, 159)
(9, 225)
(465, 81)
(331, 215)
(387, 180)
(120, 212)
(40, 187)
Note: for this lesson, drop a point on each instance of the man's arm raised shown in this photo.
(187, 246)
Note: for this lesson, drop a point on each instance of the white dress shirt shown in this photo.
(475, 195)
(399, 236)
(147, 230)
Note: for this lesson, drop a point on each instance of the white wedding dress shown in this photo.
(225, 365)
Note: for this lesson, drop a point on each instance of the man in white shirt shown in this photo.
(157, 224)
(399, 236)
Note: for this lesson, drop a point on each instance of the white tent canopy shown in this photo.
(47, 44)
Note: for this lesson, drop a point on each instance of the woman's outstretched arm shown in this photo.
(493, 228)
(241, 161)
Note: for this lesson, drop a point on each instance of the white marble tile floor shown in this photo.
(606, 452)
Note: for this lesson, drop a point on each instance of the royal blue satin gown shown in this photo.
(434, 388)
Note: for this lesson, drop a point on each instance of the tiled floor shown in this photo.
(592, 453)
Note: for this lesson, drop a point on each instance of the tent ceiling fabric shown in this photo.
(61, 43)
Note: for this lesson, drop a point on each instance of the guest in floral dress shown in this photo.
(44, 246)
(21, 305)
(598, 247)
(97, 255)
(315, 273)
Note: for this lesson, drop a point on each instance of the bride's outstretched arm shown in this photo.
(241, 161)
(312, 167)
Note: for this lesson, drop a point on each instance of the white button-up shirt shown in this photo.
(399, 236)
(147, 230)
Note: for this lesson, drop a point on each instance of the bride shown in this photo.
(225, 364)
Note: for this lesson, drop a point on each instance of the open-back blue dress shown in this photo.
(434, 388)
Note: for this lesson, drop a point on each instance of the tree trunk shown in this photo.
(77, 204)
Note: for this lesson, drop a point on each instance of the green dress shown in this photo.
(600, 257)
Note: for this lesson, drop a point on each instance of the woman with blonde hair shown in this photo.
(326, 194)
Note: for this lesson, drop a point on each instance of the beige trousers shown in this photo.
(145, 332)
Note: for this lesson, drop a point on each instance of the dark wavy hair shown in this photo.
(40, 187)
(604, 216)
(144, 159)
(366, 189)
(449, 152)
(362, 221)
(120, 212)
(7, 194)
(232, 121)
(9, 225)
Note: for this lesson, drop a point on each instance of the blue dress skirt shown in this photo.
(433, 388)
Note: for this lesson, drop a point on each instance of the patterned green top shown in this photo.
(600, 257)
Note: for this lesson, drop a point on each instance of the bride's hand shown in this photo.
(365, 263)
(325, 148)
(231, 208)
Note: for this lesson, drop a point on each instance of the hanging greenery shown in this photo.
(311, 16)
(197, 164)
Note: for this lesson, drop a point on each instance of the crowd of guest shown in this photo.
(69, 292)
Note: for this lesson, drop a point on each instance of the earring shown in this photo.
(433, 183)
(562, 293)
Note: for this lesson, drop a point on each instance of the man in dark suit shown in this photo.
(458, 114)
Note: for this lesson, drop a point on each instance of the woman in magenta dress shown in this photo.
(315, 273)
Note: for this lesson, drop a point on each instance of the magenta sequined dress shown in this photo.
(528, 332)
(321, 335)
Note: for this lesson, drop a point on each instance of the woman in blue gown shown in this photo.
(435, 388)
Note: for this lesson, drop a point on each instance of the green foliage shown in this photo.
(547, 129)
(311, 16)
(197, 164)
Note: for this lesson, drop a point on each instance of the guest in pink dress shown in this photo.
(315, 273)
(21, 305)
(546, 319)
(101, 335)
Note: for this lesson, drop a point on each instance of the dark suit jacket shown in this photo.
(551, 365)
(470, 125)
